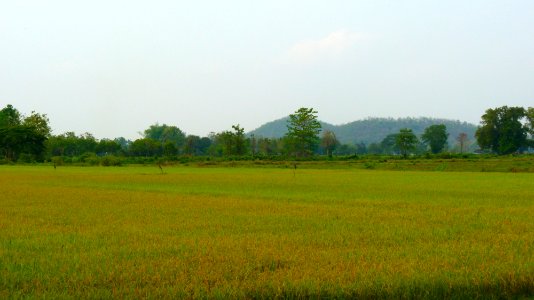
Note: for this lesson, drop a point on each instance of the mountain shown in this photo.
(372, 130)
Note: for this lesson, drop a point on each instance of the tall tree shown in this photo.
(388, 145)
(9, 116)
(436, 137)
(502, 130)
(240, 143)
(19, 139)
(406, 141)
(165, 133)
(39, 122)
(146, 147)
(303, 132)
(530, 119)
(329, 142)
(462, 140)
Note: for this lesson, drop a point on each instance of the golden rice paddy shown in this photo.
(132, 232)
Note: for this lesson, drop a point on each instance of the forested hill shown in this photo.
(372, 130)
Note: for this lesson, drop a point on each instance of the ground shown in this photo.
(97, 232)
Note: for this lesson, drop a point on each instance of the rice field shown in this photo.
(193, 232)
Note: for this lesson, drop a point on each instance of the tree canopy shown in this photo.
(165, 133)
(20, 136)
(436, 137)
(406, 141)
(329, 142)
(504, 129)
(303, 132)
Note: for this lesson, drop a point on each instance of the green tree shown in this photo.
(239, 140)
(169, 149)
(374, 148)
(18, 139)
(303, 132)
(436, 137)
(329, 142)
(39, 122)
(145, 147)
(229, 143)
(165, 133)
(406, 141)
(9, 116)
(68, 144)
(502, 130)
(195, 145)
(389, 144)
(190, 145)
(107, 147)
(530, 119)
(22, 138)
(267, 146)
(124, 143)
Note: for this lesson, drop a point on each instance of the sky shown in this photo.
(113, 68)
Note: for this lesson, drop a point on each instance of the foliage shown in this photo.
(146, 147)
(195, 145)
(164, 133)
(108, 147)
(371, 130)
(39, 122)
(229, 143)
(462, 141)
(436, 137)
(9, 116)
(530, 119)
(329, 142)
(240, 145)
(69, 144)
(502, 130)
(19, 139)
(303, 132)
(389, 144)
(22, 139)
(406, 141)
(110, 160)
(123, 142)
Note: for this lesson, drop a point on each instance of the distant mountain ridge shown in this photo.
(372, 130)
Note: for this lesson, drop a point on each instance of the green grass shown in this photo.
(264, 232)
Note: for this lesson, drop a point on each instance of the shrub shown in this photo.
(110, 160)
(57, 160)
(26, 158)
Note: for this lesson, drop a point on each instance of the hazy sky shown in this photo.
(112, 68)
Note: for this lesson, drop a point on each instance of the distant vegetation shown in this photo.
(372, 130)
(503, 130)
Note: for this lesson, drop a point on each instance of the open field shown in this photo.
(95, 232)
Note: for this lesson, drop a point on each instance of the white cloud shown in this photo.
(331, 46)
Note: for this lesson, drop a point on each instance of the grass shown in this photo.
(93, 232)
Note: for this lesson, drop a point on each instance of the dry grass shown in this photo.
(255, 233)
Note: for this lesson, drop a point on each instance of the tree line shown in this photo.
(503, 130)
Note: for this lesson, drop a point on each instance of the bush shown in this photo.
(111, 160)
(26, 158)
(4, 161)
(57, 160)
